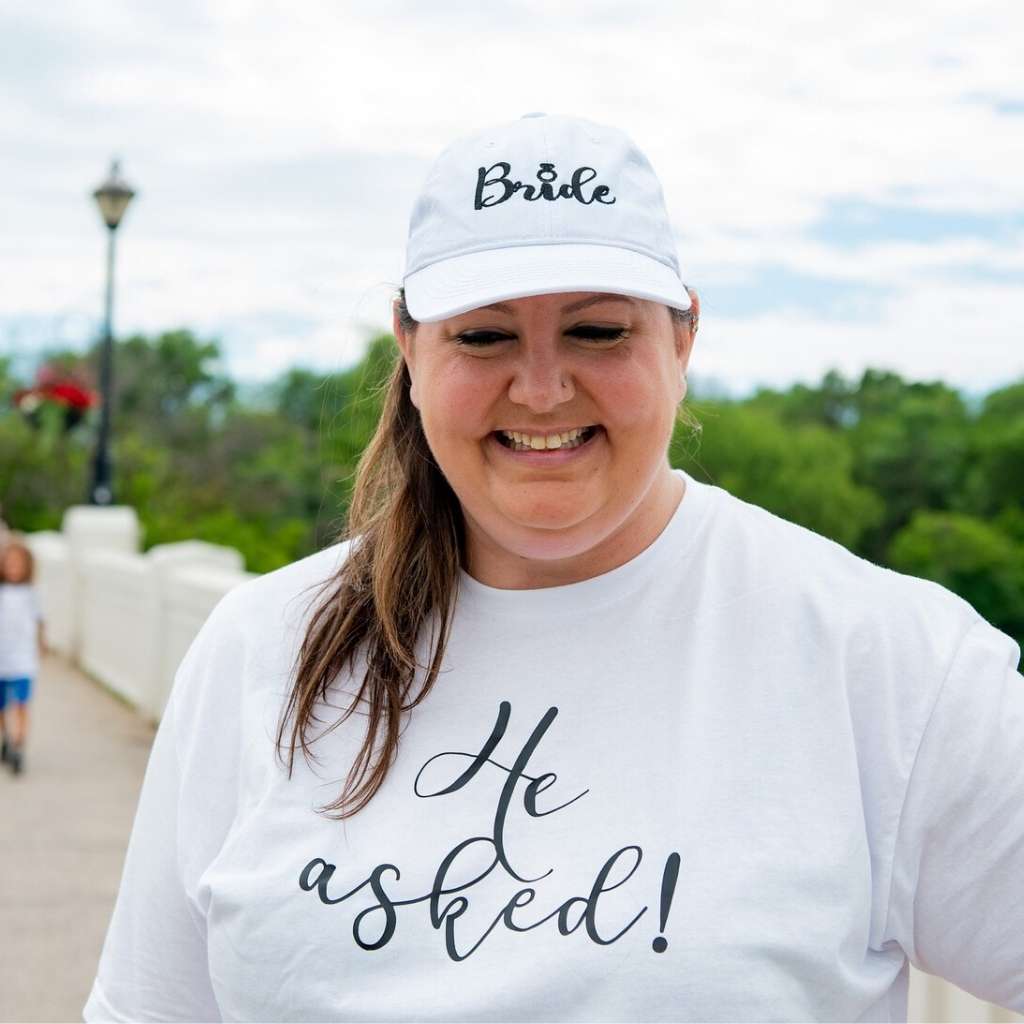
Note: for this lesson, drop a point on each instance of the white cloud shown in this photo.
(934, 332)
(277, 151)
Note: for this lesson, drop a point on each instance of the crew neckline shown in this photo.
(674, 542)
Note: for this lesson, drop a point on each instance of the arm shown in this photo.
(957, 898)
(38, 611)
(153, 964)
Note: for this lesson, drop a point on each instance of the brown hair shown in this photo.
(26, 553)
(407, 542)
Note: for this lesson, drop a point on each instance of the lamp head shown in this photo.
(113, 196)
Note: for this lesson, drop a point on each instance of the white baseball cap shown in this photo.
(546, 203)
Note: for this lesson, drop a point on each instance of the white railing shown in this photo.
(128, 618)
(932, 999)
(123, 617)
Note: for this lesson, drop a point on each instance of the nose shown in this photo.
(541, 380)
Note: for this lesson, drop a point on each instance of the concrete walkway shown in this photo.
(64, 827)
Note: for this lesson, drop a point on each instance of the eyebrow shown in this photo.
(503, 307)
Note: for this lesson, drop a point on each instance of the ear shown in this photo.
(405, 345)
(695, 305)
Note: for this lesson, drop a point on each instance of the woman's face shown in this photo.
(542, 365)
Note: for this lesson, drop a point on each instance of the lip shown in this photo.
(549, 456)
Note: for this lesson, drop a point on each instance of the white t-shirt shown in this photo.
(20, 616)
(744, 776)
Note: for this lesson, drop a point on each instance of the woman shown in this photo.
(601, 742)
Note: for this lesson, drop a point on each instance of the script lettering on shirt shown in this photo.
(493, 189)
(444, 913)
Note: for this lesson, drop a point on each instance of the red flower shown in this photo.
(72, 395)
(55, 385)
(64, 392)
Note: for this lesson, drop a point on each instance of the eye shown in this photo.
(589, 332)
(594, 333)
(479, 338)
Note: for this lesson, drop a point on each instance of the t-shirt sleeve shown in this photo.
(956, 905)
(153, 965)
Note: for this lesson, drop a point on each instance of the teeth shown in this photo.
(539, 442)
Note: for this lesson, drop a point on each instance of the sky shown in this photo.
(845, 180)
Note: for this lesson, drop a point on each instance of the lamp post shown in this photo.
(112, 197)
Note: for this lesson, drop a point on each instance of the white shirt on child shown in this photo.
(20, 615)
(745, 776)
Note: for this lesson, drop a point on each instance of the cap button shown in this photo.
(536, 114)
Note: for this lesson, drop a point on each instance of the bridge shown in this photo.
(118, 622)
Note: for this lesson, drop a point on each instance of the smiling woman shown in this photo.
(616, 745)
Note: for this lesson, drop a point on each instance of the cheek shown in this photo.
(634, 395)
(454, 399)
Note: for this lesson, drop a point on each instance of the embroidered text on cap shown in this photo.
(546, 175)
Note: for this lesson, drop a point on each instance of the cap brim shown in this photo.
(461, 283)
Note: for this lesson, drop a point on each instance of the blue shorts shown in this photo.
(19, 689)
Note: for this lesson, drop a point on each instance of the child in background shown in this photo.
(21, 644)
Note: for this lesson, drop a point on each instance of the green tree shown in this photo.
(910, 446)
(169, 387)
(995, 478)
(9, 382)
(976, 560)
(802, 473)
(42, 472)
(345, 433)
(831, 404)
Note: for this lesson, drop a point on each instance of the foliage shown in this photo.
(41, 472)
(977, 560)
(803, 472)
(995, 478)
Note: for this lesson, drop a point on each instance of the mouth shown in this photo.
(555, 442)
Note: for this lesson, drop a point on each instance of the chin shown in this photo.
(536, 508)
(549, 536)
